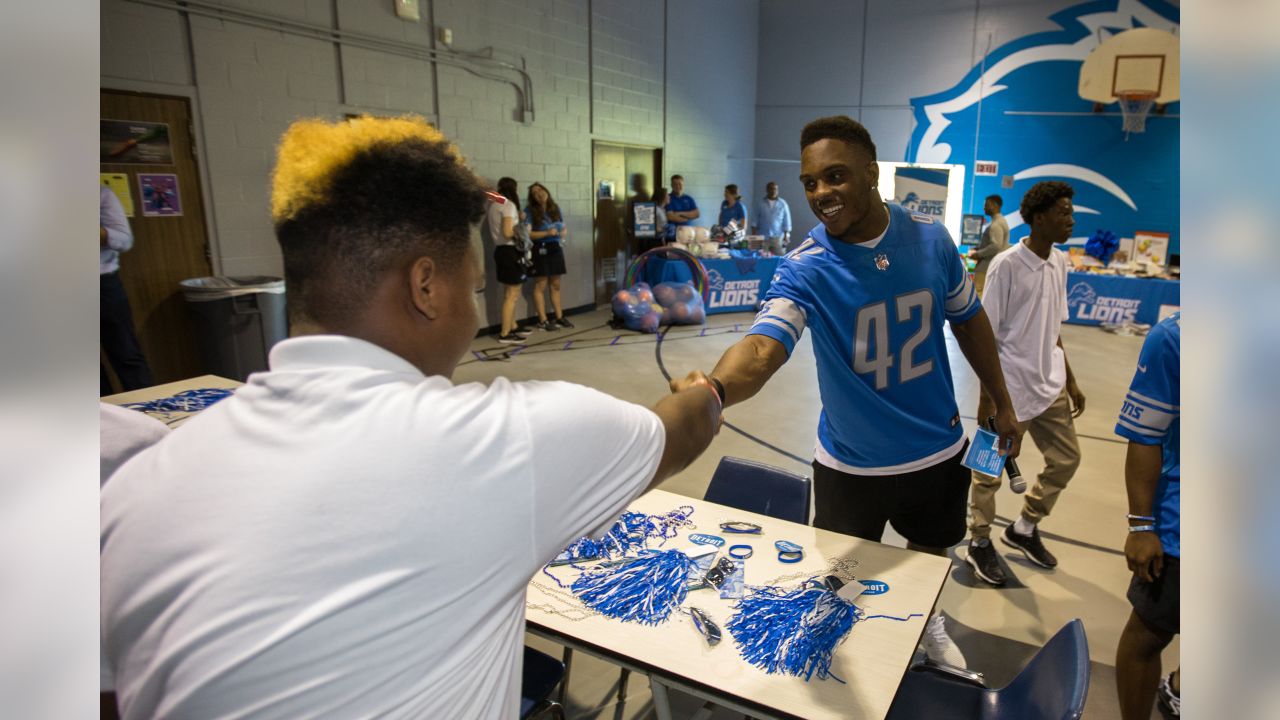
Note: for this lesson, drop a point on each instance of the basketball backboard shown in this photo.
(1138, 60)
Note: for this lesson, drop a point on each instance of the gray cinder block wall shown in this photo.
(674, 74)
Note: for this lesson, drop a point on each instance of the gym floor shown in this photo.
(999, 629)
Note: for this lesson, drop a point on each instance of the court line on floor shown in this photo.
(657, 355)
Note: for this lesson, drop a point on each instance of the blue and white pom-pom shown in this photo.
(794, 632)
(645, 590)
(627, 536)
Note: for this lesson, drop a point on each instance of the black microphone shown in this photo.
(1016, 483)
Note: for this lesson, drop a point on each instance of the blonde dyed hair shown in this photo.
(312, 151)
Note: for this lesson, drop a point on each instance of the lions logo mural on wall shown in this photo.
(1037, 127)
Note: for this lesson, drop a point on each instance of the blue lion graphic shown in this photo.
(1081, 294)
(715, 281)
(1037, 127)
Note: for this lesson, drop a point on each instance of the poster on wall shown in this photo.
(922, 190)
(1146, 248)
(118, 183)
(646, 219)
(605, 191)
(160, 196)
(130, 141)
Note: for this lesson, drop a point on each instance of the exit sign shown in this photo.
(986, 167)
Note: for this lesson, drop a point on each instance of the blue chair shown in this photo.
(541, 675)
(759, 488)
(1052, 686)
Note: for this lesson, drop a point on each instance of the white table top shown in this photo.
(872, 660)
(156, 392)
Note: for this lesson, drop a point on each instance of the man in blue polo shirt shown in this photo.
(681, 209)
(1150, 421)
(876, 284)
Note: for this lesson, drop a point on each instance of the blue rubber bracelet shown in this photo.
(786, 546)
(741, 528)
(790, 557)
(736, 550)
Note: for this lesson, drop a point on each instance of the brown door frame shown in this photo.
(192, 96)
(658, 168)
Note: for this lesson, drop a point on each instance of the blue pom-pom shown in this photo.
(792, 632)
(643, 590)
(1102, 245)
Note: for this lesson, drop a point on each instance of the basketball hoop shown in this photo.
(1135, 105)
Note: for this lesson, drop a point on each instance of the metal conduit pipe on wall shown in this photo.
(469, 63)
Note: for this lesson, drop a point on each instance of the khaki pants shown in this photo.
(1054, 433)
(979, 281)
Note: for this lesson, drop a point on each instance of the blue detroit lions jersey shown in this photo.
(1151, 415)
(877, 315)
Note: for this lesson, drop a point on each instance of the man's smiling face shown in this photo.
(839, 181)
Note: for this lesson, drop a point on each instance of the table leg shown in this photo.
(622, 684)
(567, 659)
(661, 704)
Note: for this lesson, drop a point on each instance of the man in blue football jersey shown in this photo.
(875, 283)
(1149, 420)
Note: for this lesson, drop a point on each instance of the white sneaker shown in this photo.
(939, 646)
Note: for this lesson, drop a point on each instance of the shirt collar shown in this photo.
(310, 352)
(1030, 258)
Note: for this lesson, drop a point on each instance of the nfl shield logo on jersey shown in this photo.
(882, 261)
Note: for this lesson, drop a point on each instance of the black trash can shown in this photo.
(237, 320)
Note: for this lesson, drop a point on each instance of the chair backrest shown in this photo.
(1054, 684)
(759, 488)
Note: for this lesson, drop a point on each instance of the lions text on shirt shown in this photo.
(877, 310)
(1151, 415)
(345, 537)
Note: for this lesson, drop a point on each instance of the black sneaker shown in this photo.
(522, 333)
(510, 339)
(564, 323)
(549, 326)
(985, 562)
(1030, 546)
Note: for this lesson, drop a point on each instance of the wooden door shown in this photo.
(166, 249)
(629, 172)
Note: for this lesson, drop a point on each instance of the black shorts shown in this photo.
(548, 260)
(1157, 602)
(926, 506)
(509, 264)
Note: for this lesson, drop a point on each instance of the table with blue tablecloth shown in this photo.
(734, 285)
(1094, 299)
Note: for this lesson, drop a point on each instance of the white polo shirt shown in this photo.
(345, 537)
(1026, 301)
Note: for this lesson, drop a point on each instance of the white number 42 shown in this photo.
(871, 334)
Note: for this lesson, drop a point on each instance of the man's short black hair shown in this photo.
(1042, 196)
(677, 177)
(837, 127)
(391, 201)
(996, 200)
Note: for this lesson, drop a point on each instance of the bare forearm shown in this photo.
(1141, 476)
(747, 366)
(691, 418)
(978, 343)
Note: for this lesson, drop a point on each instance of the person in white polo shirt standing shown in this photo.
(1026, 301)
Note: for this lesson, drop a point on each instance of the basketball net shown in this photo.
(1135, 105)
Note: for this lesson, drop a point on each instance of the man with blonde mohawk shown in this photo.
(350, 534)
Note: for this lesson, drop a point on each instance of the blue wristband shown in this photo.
(735, 551)
(790, 557)
(741, 528)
